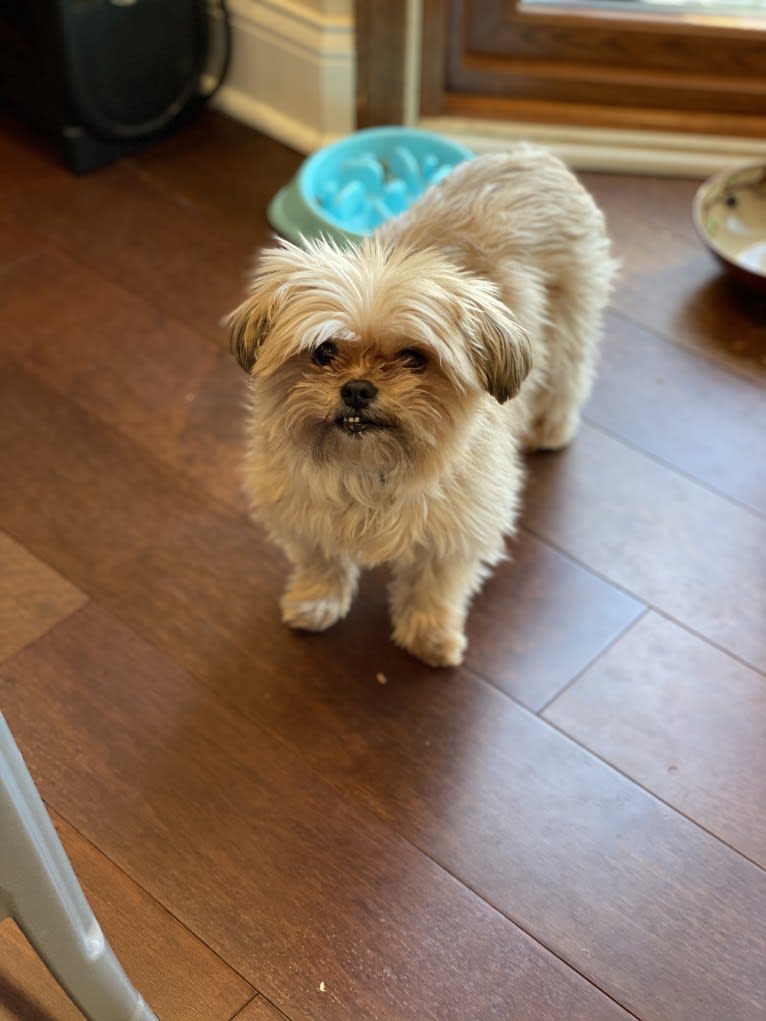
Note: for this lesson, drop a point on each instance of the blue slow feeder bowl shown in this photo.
(347, 189)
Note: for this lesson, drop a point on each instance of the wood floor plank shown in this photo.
(133, 534)
(89, 506)
(32, 597)
(666, 202)
(671, 284)
(15, 246)
(26, 157)
(174, 392)
(175, 973)
(260, 1010)
(677, 546)
(221, 166)
(173, 250)
(540, 619)
(619, 886)
(683, 409)
(696, 304)
(230, 829)
(685, 721)
(508, 805)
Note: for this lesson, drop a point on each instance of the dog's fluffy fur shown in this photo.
(473, 319)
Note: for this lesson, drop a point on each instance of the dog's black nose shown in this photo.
(358, 393)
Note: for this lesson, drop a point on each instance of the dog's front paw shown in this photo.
(316, 599)
(312, 614)
(430, 640)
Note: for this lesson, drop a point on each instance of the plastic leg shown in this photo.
(40, 891)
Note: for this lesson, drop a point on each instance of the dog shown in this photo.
(395, 384)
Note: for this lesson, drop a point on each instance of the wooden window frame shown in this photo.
(557, 73)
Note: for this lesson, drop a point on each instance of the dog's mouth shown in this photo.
(353, 423)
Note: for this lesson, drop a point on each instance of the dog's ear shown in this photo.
(248, 328)
(250, 324)
(500, 348)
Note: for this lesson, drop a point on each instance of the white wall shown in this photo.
(292, 69)
(338, 8)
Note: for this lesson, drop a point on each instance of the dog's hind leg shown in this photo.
(572, 340)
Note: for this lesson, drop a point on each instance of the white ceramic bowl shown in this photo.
(730, 216)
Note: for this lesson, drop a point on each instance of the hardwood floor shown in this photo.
(571, 826)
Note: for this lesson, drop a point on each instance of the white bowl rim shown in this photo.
(716, 179)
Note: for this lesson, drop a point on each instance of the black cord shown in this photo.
(226, 62)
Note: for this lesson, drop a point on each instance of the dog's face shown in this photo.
(373, 359)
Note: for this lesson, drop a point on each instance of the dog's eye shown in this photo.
(325, 353)
(413, 359)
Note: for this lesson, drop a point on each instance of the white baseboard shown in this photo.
(292, 72)
(631, 152)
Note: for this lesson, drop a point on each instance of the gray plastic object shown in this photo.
(40, 891)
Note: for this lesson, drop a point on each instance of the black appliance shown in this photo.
(105, 77)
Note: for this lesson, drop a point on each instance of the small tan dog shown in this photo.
(387, 401)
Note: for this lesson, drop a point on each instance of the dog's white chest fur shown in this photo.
(372, 517)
